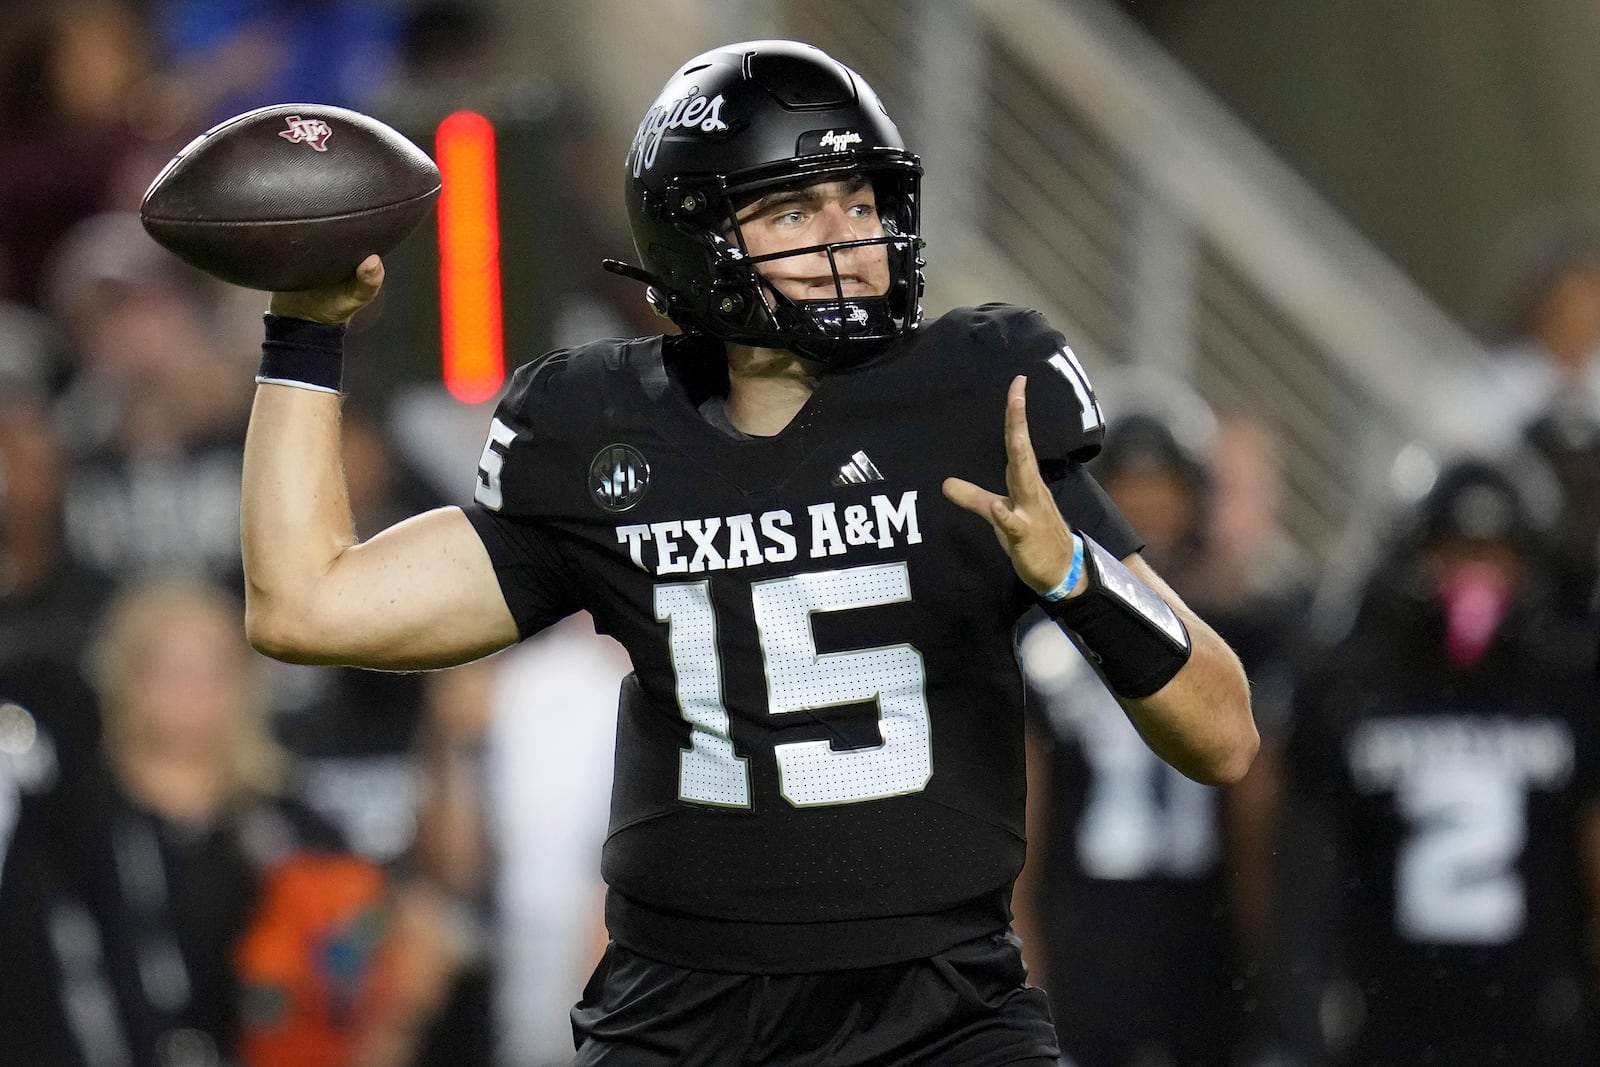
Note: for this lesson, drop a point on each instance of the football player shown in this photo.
(813, 520)
(1125, 900)
(1450, 745)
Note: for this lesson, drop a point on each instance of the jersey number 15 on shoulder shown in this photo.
(799, 678)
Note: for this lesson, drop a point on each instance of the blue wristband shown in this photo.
(1074, 572)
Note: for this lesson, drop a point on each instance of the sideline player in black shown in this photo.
(1128, 902)
(1451, 745)
(782, 514)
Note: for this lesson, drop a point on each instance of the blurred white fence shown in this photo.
(1074, 166)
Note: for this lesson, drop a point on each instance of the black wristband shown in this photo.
(1134, 638)
(306, 355)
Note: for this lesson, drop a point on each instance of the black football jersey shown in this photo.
(819, 758)
(1457, 797)
(1135, 935)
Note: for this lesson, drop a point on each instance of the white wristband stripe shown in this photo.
(291, 383)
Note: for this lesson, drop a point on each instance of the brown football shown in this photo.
(291, 196)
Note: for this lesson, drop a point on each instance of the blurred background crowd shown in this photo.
(211, 858)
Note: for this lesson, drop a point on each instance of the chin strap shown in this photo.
(628, 270)
(653, 290)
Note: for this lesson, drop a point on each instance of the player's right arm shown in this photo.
(421, 594)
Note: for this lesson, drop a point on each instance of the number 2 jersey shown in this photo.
(1459, 798)
(819, 758)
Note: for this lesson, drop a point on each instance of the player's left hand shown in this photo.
(1026, 520)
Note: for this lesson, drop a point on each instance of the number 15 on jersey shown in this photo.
(799, 679)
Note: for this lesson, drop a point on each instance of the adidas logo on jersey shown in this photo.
(859, 470)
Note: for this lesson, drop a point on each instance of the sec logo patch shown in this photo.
(618, 477)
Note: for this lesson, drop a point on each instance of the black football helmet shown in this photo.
(1477, 499)
(743, 120)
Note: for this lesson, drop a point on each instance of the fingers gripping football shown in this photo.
(333, 303)
(1026, 521)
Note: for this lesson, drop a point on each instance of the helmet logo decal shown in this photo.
(689, 111)
(618, 477)
(813, 142)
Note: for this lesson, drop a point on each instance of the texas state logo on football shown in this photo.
(728, 542)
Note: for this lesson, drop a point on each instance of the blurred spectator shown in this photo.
(1544, 329)
(1542, 387)
(58, 1011)
(551, 734)
(157, 404)
(449, 868)
(1256, 590)
(1452, 751)
(29, 348)
(1132, 905)
(1568, 440)
(384, 487)
(48, 599)
(190, 915)
(80, 130)
(195, 817)
(1248, 556)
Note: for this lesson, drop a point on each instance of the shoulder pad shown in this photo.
(565, 389)
(559, 400)
(550, 376)
(1064, 417)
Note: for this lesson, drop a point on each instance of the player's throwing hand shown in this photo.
(1026, 520)
(334, 303)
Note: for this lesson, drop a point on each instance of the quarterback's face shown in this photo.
(824, 213)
